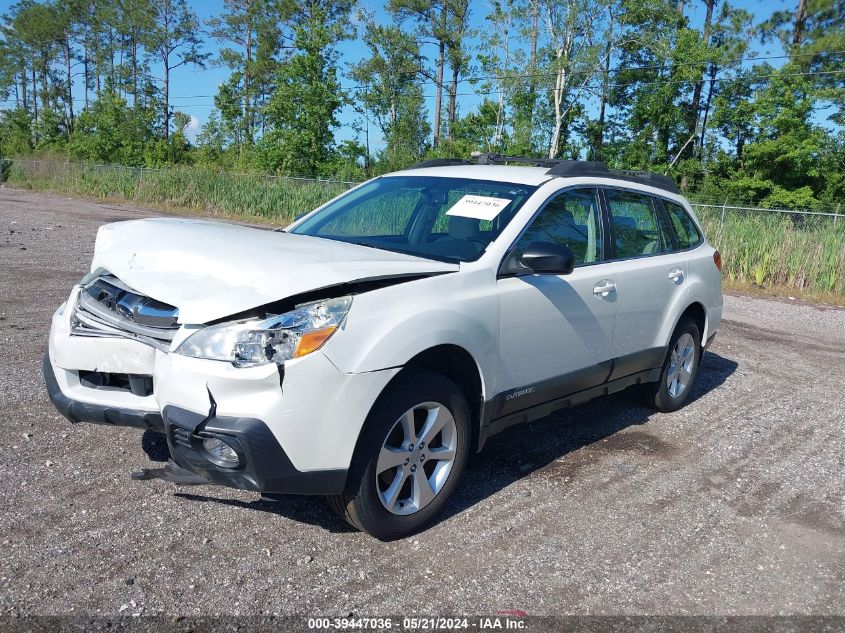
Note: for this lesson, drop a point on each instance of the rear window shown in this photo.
(685, 230)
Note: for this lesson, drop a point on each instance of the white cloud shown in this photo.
(192, 129)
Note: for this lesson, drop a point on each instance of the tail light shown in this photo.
(717, 259)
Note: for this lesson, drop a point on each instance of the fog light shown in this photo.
(221, 453)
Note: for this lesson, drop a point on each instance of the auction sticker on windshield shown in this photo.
(478, 207)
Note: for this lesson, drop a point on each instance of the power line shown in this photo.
(601, 71)
(598, 71)
(666, 81)
(657, 82)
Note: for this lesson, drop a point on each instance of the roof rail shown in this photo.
(646, 178)
(579, 168)
(561, 168)
(572, 168)
(440, 162)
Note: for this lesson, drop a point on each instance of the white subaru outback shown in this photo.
(366, 350)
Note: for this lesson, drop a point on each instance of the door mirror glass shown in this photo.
(548, 257)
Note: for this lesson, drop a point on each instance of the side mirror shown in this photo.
(548, 257)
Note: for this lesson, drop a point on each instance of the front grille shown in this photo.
(107, 307)
(137, 384)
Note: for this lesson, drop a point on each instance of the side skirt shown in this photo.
(568, 391)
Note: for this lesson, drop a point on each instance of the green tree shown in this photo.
(497, 65)
(251, 42)
(573, 61)
(647, 93)
(302, 110)
(787, 145)
(432, 18)
(523, 90)
(173, 38)
(110, 131)
(15, 132)
(389, 91)
(37, 28)
(479, 131)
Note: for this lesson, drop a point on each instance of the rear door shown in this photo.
(556, 331)
(651, 282)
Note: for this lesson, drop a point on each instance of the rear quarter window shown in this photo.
(686, 232)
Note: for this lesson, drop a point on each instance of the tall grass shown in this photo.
(791, 251)
(795, 253)
(212, 192)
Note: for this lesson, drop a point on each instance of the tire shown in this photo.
(391, 501)
(672, 389)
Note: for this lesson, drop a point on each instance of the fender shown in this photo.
(388, 327)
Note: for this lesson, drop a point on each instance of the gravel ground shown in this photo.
(733, 505)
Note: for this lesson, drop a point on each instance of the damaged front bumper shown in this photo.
(294, 427)
(77, 411)
(263, 465)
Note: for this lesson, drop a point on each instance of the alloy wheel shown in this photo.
(416, 458)
(679, 373)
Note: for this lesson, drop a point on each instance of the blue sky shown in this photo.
(192, 89)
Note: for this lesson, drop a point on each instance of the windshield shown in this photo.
(450, 219)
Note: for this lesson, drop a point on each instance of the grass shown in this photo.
(210, 192)
(783, 252)
(779, 253)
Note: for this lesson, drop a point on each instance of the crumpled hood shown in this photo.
(210, 270)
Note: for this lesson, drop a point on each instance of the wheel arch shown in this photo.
(698, 313)
(449, 360)
(457, 364)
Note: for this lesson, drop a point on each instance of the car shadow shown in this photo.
(299, 508)
(510, 455)
(521, 450)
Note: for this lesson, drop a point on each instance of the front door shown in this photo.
(556, 331)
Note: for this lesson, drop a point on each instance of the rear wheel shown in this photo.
(679, 370)
(414, 448)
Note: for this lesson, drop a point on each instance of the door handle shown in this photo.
(604, 288)
(676, 275)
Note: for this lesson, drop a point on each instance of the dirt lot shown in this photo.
(733, 505)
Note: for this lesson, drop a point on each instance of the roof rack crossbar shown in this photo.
(492, 158)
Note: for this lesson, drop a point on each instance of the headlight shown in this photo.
(275, 339)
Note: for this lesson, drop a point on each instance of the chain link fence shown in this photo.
(795, 250)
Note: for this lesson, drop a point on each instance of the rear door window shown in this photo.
(636, 223)
(686, 232)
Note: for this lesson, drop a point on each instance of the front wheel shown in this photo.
(679, 370)
(415, 446)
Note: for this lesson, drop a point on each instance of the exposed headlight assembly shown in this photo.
(276, 339)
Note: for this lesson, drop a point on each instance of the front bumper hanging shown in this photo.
(77, 411)
(263, 465)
